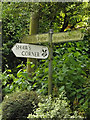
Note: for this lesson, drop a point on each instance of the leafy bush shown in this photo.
(20, 81)
(54, 108)
(18, 105)
(71, 72)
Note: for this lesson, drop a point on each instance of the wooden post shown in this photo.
(34, 22)
(50, 62)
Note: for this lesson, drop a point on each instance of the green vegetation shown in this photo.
(18, 105)
(70, 61)
(54, 108)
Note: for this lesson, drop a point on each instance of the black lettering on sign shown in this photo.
(18, 47)
(33, 54)
(25, 53)
(28, 53)
(44, 52)
(29, 47)
(22, 47)
(25, 47)
(36, 54)
(22, 53)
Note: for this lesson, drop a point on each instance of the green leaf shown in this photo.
(73, 93)
(79, 90)
(76, 54)
(61, 89)
(46, 69)
(33, 65)
(81, 101)
(9, 70)
(29, 88)
(21, 65)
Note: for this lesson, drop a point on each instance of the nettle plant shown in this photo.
(54, 108)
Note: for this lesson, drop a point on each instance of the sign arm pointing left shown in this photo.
(30, 51)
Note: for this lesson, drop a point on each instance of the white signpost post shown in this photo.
(30, 51)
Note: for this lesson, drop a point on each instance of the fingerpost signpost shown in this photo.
(32, 52)
(27, 50)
